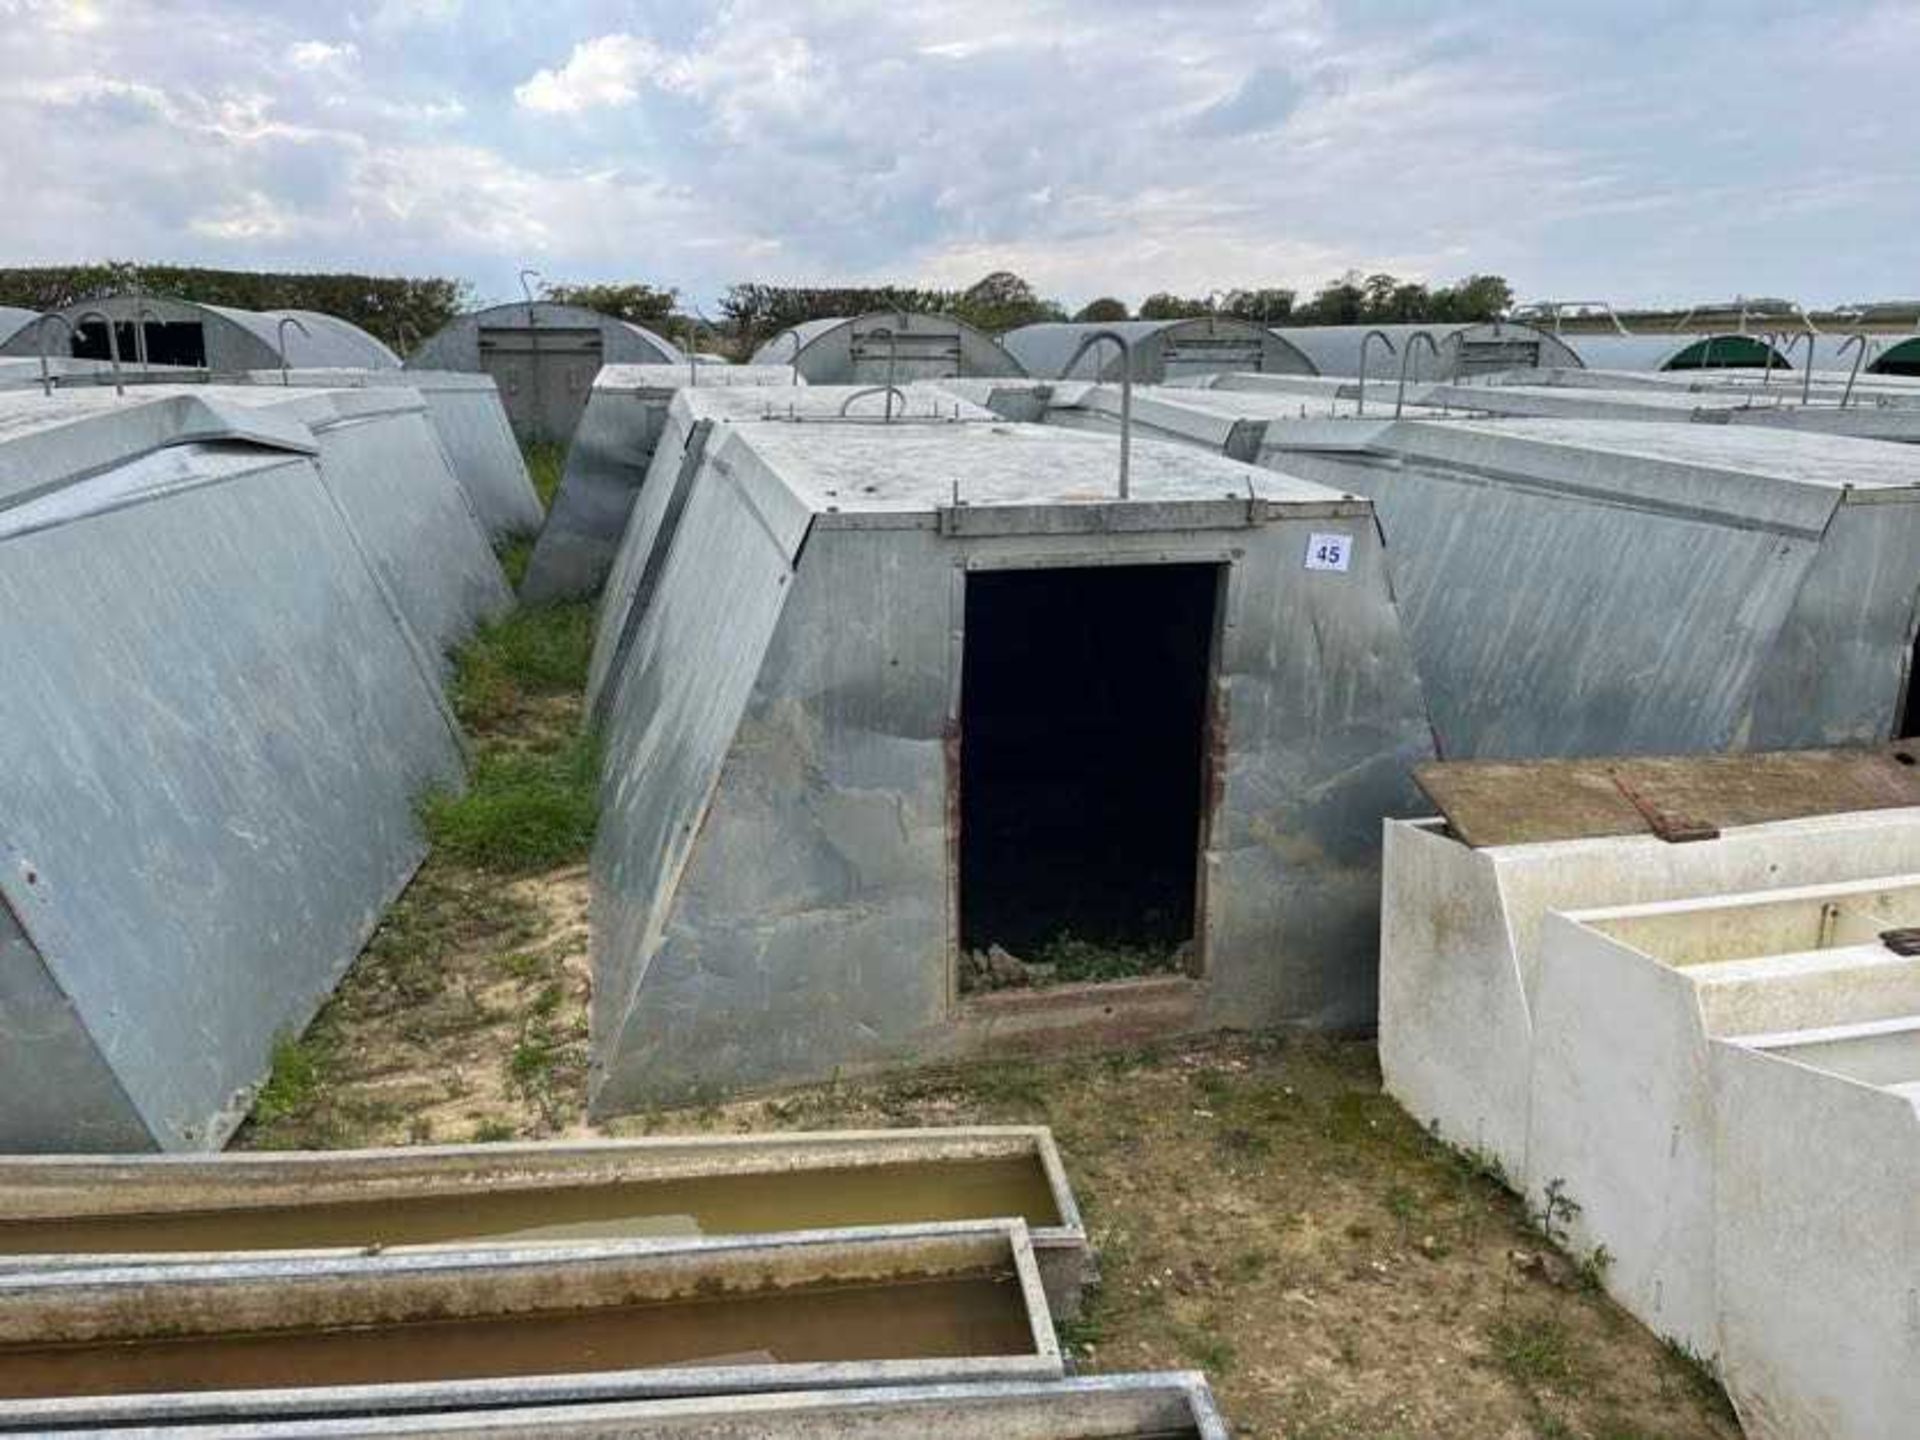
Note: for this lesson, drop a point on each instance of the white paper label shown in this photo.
(1329, 552)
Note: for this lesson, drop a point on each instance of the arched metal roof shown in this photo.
(457, 345)
(233, 340)
(1466, 347)
(1162, 349)
(857, 349)
(13, 320)
(1717, 350)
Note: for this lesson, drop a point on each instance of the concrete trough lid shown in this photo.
(61, 1211)
(824, 1309)
(1168, 1406)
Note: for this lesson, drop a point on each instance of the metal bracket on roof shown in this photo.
(40, 341)
(1360, 402)
(281, 339)
(113, 347)
(1857, 339)
(1406, 356)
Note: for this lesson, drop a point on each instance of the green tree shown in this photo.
(1103, 311)
(1003, 301)
(1270, 306)
(1162, 306)
(640, 304)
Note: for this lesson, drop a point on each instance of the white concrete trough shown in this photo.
(1627, 1003)
(608, 462)
(213, 730)
(65, 1211)
(389, 1334)
(1817, 1229)
(1171, 1406)
(902, 692)
(1460, 948)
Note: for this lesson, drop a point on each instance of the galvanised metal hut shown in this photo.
(904, 692)
(1161, 350)
(886, 345)
(215, 729)
(159, 330)
(543, 356)
(606, 464)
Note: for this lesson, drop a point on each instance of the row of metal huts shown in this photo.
(895, 672)
(543, 356)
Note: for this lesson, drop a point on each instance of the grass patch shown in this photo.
(1084, 962)
(522, 810)
(514, 556)
(546, 463)
(1533, 1350)
(292, 1083)
(527, 654)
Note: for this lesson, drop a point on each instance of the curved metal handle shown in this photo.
(1125, 347)
(794, 359)
(40, 342)
(893, 354)
(1406, 355)
(141, 314)
(527, 290)
(890, 391)
(1859, 340)
(285, 321)
(113, 347)
(1360, 405)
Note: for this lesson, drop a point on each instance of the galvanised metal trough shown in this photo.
(290, 1338)
(82, 1210)
(1169, 1406)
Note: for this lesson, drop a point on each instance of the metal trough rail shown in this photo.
(1175, 1406)
(389, 1334)
(76, 1210)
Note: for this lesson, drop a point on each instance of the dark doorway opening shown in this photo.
(1907, 722)
(179, 342)
(1083, 750)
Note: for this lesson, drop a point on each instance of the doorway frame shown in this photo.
(1215, 726)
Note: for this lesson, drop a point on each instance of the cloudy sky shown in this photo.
(1625, 150)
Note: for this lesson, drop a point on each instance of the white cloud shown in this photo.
(604, 71)
(319, 55)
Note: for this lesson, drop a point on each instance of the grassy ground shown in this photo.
(1262, 1210)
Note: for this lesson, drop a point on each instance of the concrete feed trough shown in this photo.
(543, 356)
(294, 1338)
(1627, 1003)
(809, 819)
(1816, 1229)
(886, 346)
(1174, 1406)
(606, 465)
(1460, 943)
(81, 1210)
(1574, 587)
(214, 730)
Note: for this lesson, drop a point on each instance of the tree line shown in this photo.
(404, 311)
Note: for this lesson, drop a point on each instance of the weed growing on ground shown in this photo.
(522, 811)
(546, 463)
(514, 556)
(1534, 1350)
(1085, 962)
(292, 1081)
(1697, 1374)
(540, 651)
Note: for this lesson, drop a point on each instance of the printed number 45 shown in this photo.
(1329, 552)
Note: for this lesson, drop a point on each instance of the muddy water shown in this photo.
(714, 1205)
(972, 1315)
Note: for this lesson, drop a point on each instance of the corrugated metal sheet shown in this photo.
(1584, 588)
(851, 350)
(607, 464)
(1162, 349)
(773, 869)
(211, 741)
